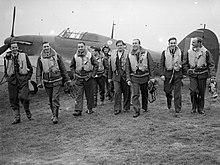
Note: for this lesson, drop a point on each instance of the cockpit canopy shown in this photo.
(66, 33)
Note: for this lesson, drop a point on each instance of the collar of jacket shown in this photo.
(139, 51)
(51, 54)
(82, 53)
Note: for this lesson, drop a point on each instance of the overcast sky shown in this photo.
(152, 21)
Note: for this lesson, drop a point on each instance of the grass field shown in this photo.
(156, 137)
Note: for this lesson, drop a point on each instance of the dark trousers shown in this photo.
(84, 86)
(122, 88)
(109, 88)
(54, 98)
(138, 89)
(175, 85)
(19, 93)
(197, 92)
(99, 86)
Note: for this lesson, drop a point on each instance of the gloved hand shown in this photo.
(109, 80)
(40, 85)
(162, 78)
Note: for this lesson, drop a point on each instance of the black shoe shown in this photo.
(136, 114)
(29, 116)
(55, 120)
(89, 111)
(169, 106)
(77, 113)
(201, 112)
(193, 111)
(16, 121)
(117, 112)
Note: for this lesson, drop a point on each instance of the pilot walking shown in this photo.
(117, 74)
(18, 71)
(109, 85)
(171, 73)
(51, 73)
(199, 65)
(101, 75)
(139, 71)
(84, 67)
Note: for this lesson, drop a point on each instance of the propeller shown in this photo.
(112, 34)
(8, 40)
(13, 23)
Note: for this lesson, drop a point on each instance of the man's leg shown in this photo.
(79, 97)
(201, 95)
(177, 95)
(144, 96)
(168, 88)
(193, 87)
(118, 97)
(126, 90)
(101, 82)
(23, 96)
(14, 101)
(89, 92)
(135, 99)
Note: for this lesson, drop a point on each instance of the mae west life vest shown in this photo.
(83, 62)
(197, 58)
(50, 67)
(173, 61)
(22, 62)
(142, 64)
(123, 59)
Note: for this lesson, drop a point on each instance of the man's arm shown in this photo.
(150, 66)
(210, 64)
(128, 69)
(63, 69)
(106, 66)
(73, 67)
(39, 72)
(95, 64)
(185, 64)
(162, 64)
(30, 68)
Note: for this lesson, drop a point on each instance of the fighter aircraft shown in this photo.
(66, 43)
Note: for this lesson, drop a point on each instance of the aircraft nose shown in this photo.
(8, 41)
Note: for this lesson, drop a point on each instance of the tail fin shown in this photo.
(210, 41)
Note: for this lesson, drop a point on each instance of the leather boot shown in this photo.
(17, 118)
(28, 114)
(55, 118)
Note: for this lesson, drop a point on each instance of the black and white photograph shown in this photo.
(109, 82)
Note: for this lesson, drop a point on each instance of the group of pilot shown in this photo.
(121, 72)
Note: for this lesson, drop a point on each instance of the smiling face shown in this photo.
(81, 47)
(120, 46)
(135, 44)
(14, 48)
(195, 43)
(46, 48)
(172, 44)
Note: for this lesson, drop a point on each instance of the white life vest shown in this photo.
(83, 62)
(22, 62)
(142, 64)
(173, 62)
(50, 63)
(197, 58)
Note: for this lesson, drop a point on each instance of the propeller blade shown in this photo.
(13, 22)
(3, 49)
